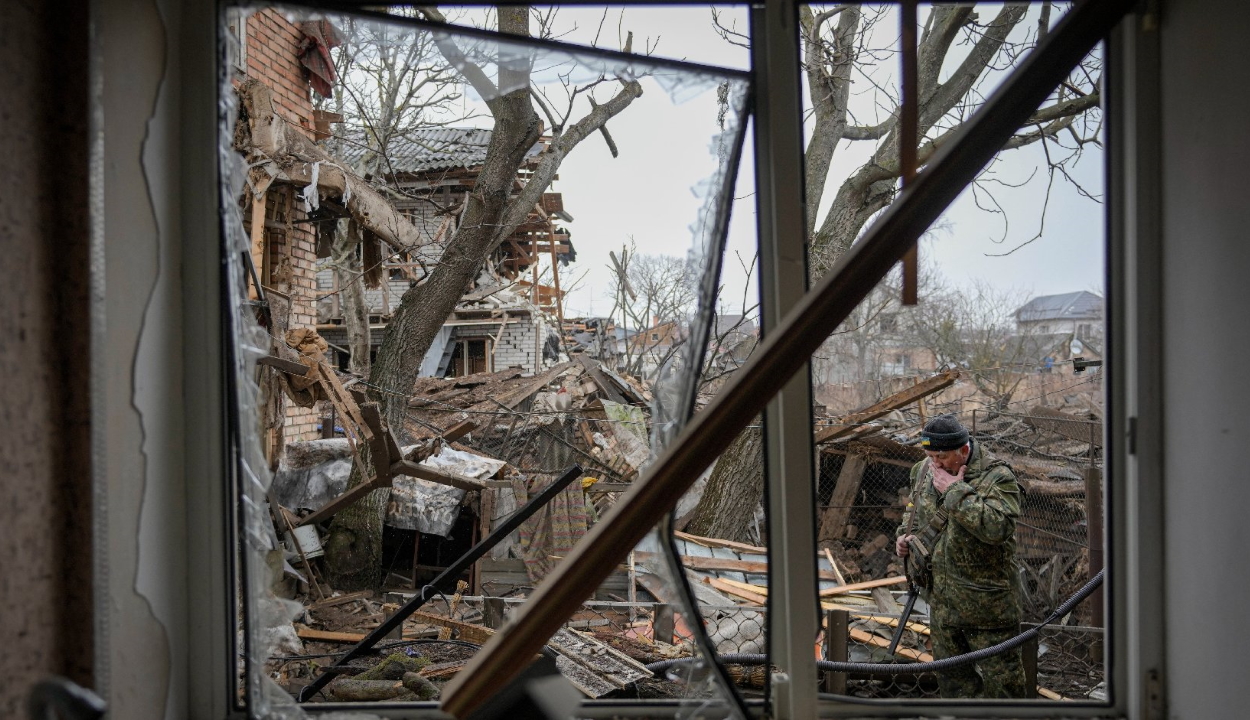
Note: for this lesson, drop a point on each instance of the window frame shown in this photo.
(1134, 497)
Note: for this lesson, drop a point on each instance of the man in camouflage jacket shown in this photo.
(973, 594)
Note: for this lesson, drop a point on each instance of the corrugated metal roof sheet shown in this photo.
(1068, 306)
(431, 149)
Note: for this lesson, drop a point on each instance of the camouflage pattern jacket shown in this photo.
(975, 576)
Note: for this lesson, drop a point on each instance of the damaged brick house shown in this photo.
(508, 319)
(297, 191)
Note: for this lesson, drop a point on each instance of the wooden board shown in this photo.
(866, 585)
(710, 563)
(900, 399)
(737, 589)
(344, 637)
(717, 542)
(868, 638)
(468, 631)
(833, 519)
(349, 597)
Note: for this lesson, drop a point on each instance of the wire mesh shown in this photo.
(1056, 454)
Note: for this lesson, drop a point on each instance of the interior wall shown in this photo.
(1206, 155)
(140, 403)
(45, 442)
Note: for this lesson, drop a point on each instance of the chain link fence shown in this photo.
(1057, 455)
(863, 489)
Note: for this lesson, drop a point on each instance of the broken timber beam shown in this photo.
(290, 367)
(300, 159)
(901, 399)
(399, 465)
(833, 519)
(865, 585)
(447, 578)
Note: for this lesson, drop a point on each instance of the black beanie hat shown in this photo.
(943, 433)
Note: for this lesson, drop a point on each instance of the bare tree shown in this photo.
(492, 212)
(974, 329)
(393, 81)
(654, 295)
(847, 59)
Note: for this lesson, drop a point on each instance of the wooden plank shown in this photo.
(710, 563)
(833, 519)
(347, 498)
(868, 638)
(736, 589)
(514, 398)
(442, 671)
(408, 467)
(717, 542)
(1049, 694)
(349, 597)
(866, 585)
(289, 367)
(893, 622)
(343, 402)
(344, 637)
(467, 631)
(900, 399)
(259, 198)
(459, 430)
(379, 444)
(833, 564)
(606, 386)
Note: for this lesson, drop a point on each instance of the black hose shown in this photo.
(918, 667)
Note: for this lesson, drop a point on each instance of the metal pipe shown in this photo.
(446, 580)
(784, 352)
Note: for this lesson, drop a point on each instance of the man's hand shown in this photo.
(900, 545)
(943, 479)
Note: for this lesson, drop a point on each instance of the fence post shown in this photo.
(1028, 658)
(662, 623)
(493, 612)
(836, 635)
(1093, 520)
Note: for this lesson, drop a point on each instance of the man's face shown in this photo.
(949, 460)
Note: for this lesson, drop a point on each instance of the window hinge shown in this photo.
(1152, 700)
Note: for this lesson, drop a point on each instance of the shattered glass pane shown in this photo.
(1011, 281)
(401, 203)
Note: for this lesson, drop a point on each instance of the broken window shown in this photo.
(1029, 230)
(402, 427)
(347, 235)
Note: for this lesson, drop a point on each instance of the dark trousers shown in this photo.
(1000, 676)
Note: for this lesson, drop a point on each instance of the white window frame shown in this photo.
(1135, 613)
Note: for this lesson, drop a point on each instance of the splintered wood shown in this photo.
(593, 667)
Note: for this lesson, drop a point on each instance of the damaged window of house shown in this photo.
(959, 438)
(476, 285)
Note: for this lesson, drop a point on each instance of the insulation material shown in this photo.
(430, 507)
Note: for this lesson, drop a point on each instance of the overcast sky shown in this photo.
(663, 151)
(646, 197)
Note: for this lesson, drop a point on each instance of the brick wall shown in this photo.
(272, 57)
(516, 347)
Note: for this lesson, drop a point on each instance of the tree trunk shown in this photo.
(354, 544)
(733, 491)
(347, 271)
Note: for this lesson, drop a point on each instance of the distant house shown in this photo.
(1078, 314)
